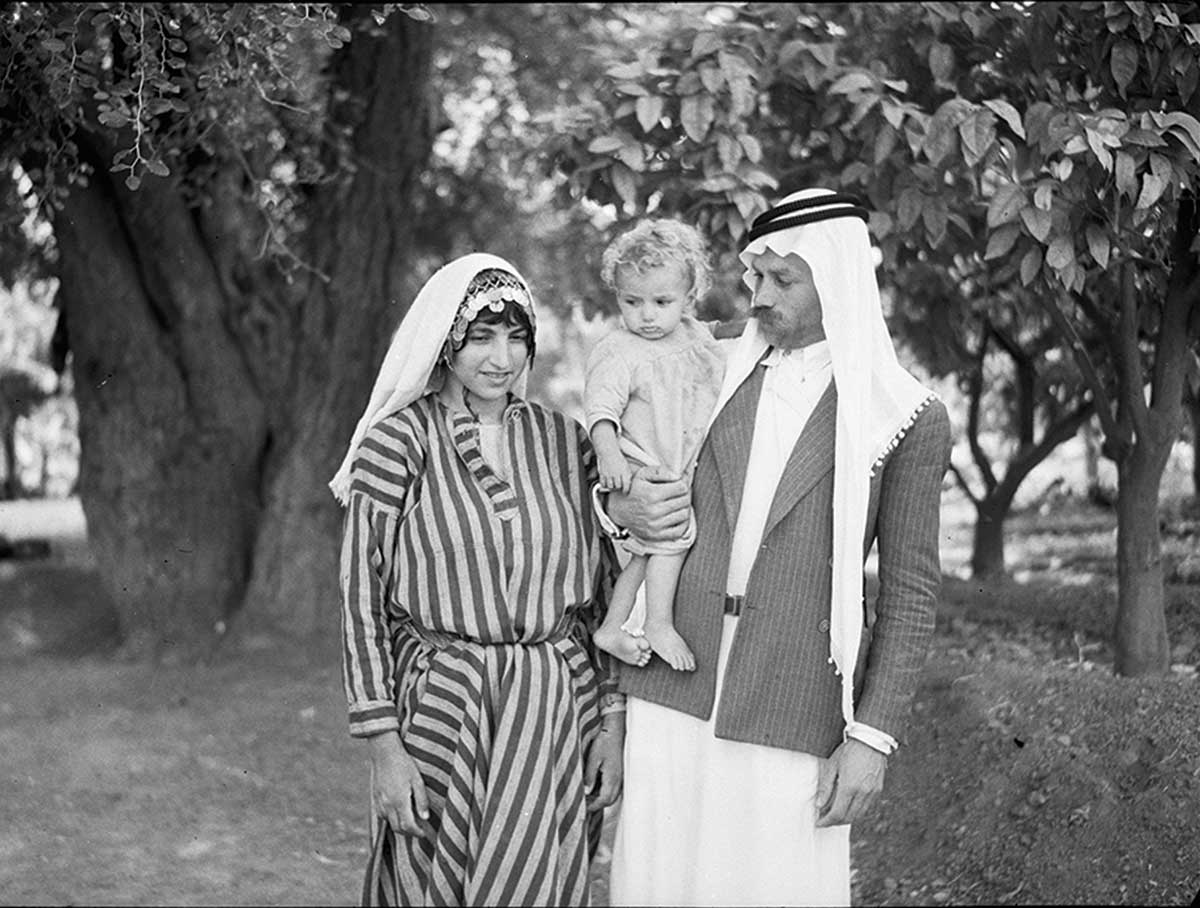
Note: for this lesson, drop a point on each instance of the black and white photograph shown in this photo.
(600, 454)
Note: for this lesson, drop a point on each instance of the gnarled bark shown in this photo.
(215, 402)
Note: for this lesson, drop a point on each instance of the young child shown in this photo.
(651, 387)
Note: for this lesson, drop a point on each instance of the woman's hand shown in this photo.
(656, 507)
(604, 769)
(399, 796)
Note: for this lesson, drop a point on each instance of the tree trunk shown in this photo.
(171, 429)
(362, 239)
(207, 438)
(987, 553)
(11, 488)
(1141, 625)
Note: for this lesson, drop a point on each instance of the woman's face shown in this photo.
(492, 358)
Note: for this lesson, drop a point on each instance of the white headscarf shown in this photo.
(877, 399)
(416, 346)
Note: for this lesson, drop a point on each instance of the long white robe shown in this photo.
(705, 821)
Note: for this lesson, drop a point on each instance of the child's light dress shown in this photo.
(660, 395)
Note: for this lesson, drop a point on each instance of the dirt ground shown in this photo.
(1031, 774)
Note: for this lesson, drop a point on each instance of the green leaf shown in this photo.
(1152, 189)
(754, 176)
(1007, 113)
(1061, 252)
(1145, 138)
(649, 111)
(941, 138)
(1037, 222)
(1043, 196)
(158, 168)
(706, 42)
(892, 112)
(978, 132)
(1000, 242)
(738, 74)
(624, 183)
(1161, 167)
(752, 147)
(1098, 244)
(696, 114)
(133, 182)
(934, 216)
(1006, 205)
(712, 79)
(1031, 264)
(748, 202)
(632, 156)
(1096, 144)
(1183, 124)
(908, 207)
(1126, 172)
(54, 45)
(729, 150)
(626, 71)
(885, 144)
(941, 63)
(1124, 64)
(850, 83)
(605, 144)
(1037, 121)
(721, 182)
(825, 54)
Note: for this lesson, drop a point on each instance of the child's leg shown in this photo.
(609, 636)
(662, 576)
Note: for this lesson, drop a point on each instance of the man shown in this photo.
(743, 776)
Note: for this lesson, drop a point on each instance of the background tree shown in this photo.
(1022, 395)
(1058, 142)
(230, 191)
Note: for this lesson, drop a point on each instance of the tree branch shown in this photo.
(962, 484)
(975, 392)
(1055, 434)
(1104, 408)
(1131, 390)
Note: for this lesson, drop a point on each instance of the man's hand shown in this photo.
(656, 507)
(848, 783)
(604, 768)
(399, 796)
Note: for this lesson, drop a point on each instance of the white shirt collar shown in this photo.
(804, 360)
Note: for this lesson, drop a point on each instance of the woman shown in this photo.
(473, 576)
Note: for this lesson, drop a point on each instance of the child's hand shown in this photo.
(615, 475)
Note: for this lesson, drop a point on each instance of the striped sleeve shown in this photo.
(379, 482)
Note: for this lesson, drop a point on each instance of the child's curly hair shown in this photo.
(655, 242)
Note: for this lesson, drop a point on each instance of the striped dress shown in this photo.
(468, 607)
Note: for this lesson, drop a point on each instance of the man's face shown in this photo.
(785, 300)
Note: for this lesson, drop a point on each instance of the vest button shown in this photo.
(823, 626)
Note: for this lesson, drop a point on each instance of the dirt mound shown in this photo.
(1028, 783)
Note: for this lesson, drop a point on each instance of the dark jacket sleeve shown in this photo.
(910, 573)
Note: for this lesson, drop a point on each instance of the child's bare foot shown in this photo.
(665, 641)
(615, 642)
